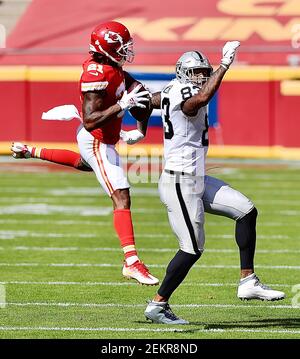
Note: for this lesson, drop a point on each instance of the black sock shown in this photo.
(245, 236)
(176, 271)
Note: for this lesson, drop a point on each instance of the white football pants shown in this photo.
(182, 195)
(104, 160)
(188, 197)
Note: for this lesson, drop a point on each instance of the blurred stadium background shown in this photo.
(254, 113)
(52, 220)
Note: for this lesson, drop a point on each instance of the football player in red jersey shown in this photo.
(104, 99)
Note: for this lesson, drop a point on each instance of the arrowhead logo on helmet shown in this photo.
(112, 39)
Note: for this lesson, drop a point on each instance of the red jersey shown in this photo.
(97, 77)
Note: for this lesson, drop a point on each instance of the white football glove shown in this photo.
(134, 98)
(131, 137)
(229, 51)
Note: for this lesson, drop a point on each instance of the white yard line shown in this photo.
(222, 236)
(96, 222)
(289, 213)
(49, 209)
(155, 250)
(141, 329)
(220, 266)
(94, 199)
(139, 305)
(79, 221)
(13, 234)
(286, 186)
(77, 191)
(49, 200)
(187, 284)
(83, 329)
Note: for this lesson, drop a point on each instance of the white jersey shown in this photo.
(189, 195)
(185, 138)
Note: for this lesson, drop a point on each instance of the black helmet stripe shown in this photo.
(200, 56)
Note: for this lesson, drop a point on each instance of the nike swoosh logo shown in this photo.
(94, 73)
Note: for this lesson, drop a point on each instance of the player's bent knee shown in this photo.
(190, 257)
(250, 215)
(121, 199)
(240, 206)
(191, 250)
(183, 258)
(81, 165)
(198, 255)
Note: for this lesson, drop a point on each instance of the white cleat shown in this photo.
(251, 288)
(161, 313)
(19, 150)
(140, 273)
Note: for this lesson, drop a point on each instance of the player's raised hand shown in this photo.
(229, 51)
(134, 98)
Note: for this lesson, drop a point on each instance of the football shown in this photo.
(140, 114)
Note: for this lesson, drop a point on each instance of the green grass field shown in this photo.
(61, 261)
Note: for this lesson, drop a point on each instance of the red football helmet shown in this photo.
(113, 40)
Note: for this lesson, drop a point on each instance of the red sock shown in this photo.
(63, 157)
(124, 229)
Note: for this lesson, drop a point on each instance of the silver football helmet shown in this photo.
(189, 68)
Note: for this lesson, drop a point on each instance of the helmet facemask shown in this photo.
(198, 75)
(126, 52)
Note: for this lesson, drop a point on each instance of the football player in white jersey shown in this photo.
(185, 189)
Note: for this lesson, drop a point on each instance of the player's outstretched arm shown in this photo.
(193, 104)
